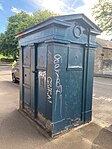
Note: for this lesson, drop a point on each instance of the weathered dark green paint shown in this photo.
(56, 74)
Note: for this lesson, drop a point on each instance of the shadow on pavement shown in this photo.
(18, 122)
(8, 84)
(103, 140)
(98, 137)
(109, 128)
(17, 129)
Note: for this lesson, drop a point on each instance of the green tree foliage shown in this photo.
(17, 23)
(102, 11)
(2, 42)
(42, 15)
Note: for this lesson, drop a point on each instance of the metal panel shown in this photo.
(89, 86)
(42, 92)
(67, 86)
(27, 77)
(73, 85)
(75, 57)
(49, 82)
(21, 57)
(73, 95)
(59, 75)
(41, 57)
(33, 78)
(27, 56)
(27, 96)
(41, 82)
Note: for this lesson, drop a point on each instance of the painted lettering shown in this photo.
(57, 62)
(49, 89)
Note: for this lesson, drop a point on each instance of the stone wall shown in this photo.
(103, 62)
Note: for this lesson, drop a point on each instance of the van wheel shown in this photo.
(13, 78)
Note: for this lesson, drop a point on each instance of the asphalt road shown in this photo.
(103, 87)
(102, 102)
(18, 132)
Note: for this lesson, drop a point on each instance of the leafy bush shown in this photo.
(9, 60)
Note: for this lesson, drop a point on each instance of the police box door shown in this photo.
(74, 84)
(41, 81)
(26, 68)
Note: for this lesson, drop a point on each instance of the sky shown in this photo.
(11, 7)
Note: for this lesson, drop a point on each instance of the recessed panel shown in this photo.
(27, 96)
(75, 58)
(27, 76)
(27, 56)
(42, 92)
(41, 57)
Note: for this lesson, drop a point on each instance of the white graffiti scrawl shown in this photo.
(57, 62)
(49, 89)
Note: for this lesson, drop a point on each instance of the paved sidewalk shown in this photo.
(5, 64)
(18, 132)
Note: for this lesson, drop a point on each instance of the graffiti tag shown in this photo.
(57, 62)
(49, 89)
